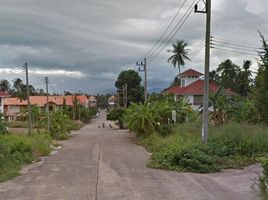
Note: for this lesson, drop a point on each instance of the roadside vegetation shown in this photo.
(18, 149)
(238, 133)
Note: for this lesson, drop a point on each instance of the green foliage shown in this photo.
(116, 115)
(15, 151)
(86, 114)
(180, 53)
(146, 118)
(244, 110)
(3, 125)
(262, 181)
(232, 145)
(60, 124)
(228, 72)
(261, 83)
(142, 118)
(133, 81)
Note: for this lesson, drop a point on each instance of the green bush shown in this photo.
(60, 125)
(86, 114)
(116, 115)
(3, 126)
(16, 150)
(232, 145)
(262, 181)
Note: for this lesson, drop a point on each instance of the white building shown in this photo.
(3, 95)
(192, 87)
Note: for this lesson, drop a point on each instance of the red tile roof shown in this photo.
(4, 94)
(196, 88)
(190, 72)
(42, 100)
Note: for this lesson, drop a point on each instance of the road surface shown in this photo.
(106, 164)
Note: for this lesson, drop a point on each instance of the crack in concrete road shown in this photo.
(107, 164)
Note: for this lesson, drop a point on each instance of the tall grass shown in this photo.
(18, 150)
(233, 145)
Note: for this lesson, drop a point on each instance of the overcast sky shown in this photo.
(84, 44)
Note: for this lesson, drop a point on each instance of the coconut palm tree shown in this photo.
(180, 53)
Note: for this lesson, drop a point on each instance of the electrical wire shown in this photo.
(166, 30)
(174, 31)
(234, 51)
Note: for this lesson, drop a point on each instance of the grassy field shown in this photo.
(233, 145)
(18, 150)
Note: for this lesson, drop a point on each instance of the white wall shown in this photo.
(14, 109)
(189, 81)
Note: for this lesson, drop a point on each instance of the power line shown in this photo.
(234, 51)
(237, 42)
(174, 31)
(166, 30)
(235, 48)
(234, 45)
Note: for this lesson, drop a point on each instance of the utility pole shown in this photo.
(74, 102)
(118, 100)
(28, 100)
(125, 95)
(144, 69)
(47, 107)
(207, 63)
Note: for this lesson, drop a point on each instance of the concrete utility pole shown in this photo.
(207, 63)
(47, 107)
(28, 100)
(125, 95)
(118, 100)
(144, 65)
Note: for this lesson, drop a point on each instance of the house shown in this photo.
(14, 106)
(192, 88)
(112, 101)
(92, 102)
(3, 95)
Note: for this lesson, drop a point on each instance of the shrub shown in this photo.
(230, 146)
(262, 181)
(116, 115)
(3, 125)
(86, 114)
(196, 158)
(16, 150)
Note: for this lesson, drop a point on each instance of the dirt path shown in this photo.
(106, 164)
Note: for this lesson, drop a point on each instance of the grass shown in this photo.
(18, 150)
(231, 146)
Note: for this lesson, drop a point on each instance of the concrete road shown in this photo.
(107, 164)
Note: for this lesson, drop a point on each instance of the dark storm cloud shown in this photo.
(84, 44)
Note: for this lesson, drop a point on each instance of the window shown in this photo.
(198, 99)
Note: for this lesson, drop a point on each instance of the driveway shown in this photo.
(106, 164)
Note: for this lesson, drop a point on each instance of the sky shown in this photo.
(82, 45)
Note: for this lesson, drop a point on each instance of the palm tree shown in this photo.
(179, 52)
(4, 85)
(244, 79)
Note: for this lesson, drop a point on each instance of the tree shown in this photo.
(214, 76)
(228, 73)
(20, 89)
(176, 82)
(134, 89)
(244, 79)
(179, 54)
(4, 85)
(261, 82)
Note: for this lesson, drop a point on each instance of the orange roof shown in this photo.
(42, 100)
